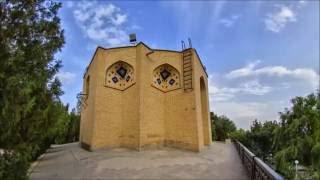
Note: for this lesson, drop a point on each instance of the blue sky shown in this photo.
(258, 54)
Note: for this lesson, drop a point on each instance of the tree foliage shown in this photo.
(30, 35)
(222, 126)
(31, 113)
(295, 137)
(262, 137)
(298, 135)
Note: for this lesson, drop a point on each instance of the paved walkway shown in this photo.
(69, 161)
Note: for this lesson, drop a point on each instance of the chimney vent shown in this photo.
(132, 38)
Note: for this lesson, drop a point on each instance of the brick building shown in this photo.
(138, 97)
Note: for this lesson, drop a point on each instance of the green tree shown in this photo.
(74, 126)
(222, 127)
(295, 137)
(68, 126)
(261, 137)
(242, 136)
(30, 35)
(298, 136)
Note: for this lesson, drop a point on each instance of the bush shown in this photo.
(14, 165)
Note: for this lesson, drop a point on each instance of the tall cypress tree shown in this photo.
(30, 35)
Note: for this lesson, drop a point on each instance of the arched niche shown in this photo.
(166, 78)
(120, 75)
(205, 112)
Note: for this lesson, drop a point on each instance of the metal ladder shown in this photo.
(187, 69)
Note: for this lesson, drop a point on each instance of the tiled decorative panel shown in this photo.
(166, 78)
(120, 76)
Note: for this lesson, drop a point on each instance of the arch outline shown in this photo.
(120, 75)
(166, 77)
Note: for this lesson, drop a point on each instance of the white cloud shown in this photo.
(276, 21)
(229, 22)
(305, 74)
(135, 27)
(219, 94)
(302, 3)
(66, 77)
(253, 92)
(245, 71)
(224, 101)
(243, 113)
(101, 22)
(119, 19)
(255, 88)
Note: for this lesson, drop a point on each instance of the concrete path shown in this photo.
(69, 161)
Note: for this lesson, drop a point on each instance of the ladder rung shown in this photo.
(187, 73)
(187, 62)
(187, 65)
(187, 53)
(187, 69)
(187, 79)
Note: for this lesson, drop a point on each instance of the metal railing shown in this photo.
(257, 169)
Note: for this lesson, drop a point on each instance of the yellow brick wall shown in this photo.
(151, 101)
(116, 111)
(142, 116)
(202, 110)
(87, 112)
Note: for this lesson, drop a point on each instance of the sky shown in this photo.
(258, 54)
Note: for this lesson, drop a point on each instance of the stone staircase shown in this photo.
(187, 69)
